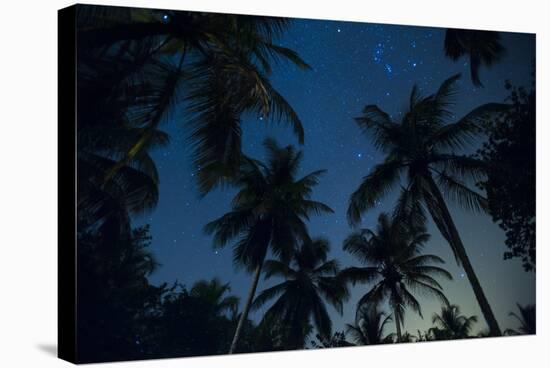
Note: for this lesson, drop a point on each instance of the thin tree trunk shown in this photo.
(397, 324)
(463, 257)
(246, 309)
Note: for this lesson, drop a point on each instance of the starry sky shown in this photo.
(354, 64)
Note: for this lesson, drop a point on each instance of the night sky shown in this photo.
(354, 64)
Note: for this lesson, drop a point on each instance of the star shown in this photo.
(359, 155)
(339, 30)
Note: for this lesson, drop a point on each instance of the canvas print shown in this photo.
(254, 183)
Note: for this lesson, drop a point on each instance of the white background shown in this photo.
(28, 181)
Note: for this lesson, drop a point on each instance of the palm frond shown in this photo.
(377, 124)
(459, 193)
(359, 274)
(269, 294)
(376, 185)
(276, 268)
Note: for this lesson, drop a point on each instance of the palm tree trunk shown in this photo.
(397, 324)
(463, 257)
(246, 309)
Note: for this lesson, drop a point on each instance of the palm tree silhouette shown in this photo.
(217, 64)
(527, 318)
(369, 326)
(268, 213)
(483, 48)
(311, 280)
(214, 294)
(450, 324)
(422, 148)
(107, 206)
(395, 264)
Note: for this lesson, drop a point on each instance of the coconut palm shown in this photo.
(311, 282)
(214, 294)
(450, 324)
(482, 47)
(217, 64)
(267, 213)
(421, 148)
(132, 190)
(369, 326)
(395, 264)
(527, 318)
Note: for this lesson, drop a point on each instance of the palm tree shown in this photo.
(421, 148)
(483, 48)
(527, 318)
(267, 213)
(369, 326)
(396, 266)
(214, 295)
(132, 190)
(218, 64)
(311, 281)
(450, 324)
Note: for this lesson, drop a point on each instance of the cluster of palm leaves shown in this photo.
(482, 48)
(369, 326)
(527, 318)
(138, 68)
(396, 267)
(450, 324)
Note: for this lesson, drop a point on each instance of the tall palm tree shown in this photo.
(395, 264)
(369, 326)
(311, 281)
(450, 324)
(267, 213)
(217, 64)
(483, 48)
(527, 318)
(422, 148)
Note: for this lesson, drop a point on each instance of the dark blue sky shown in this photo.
(354, 64)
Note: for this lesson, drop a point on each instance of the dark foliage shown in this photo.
(337, 340)
(310, 282)
(113, 294)
(450, 324)
(369, 326)
(198, 321)
(482, 47)
(510, 156)
(395, 267)
(138, 68)
(527, 319)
